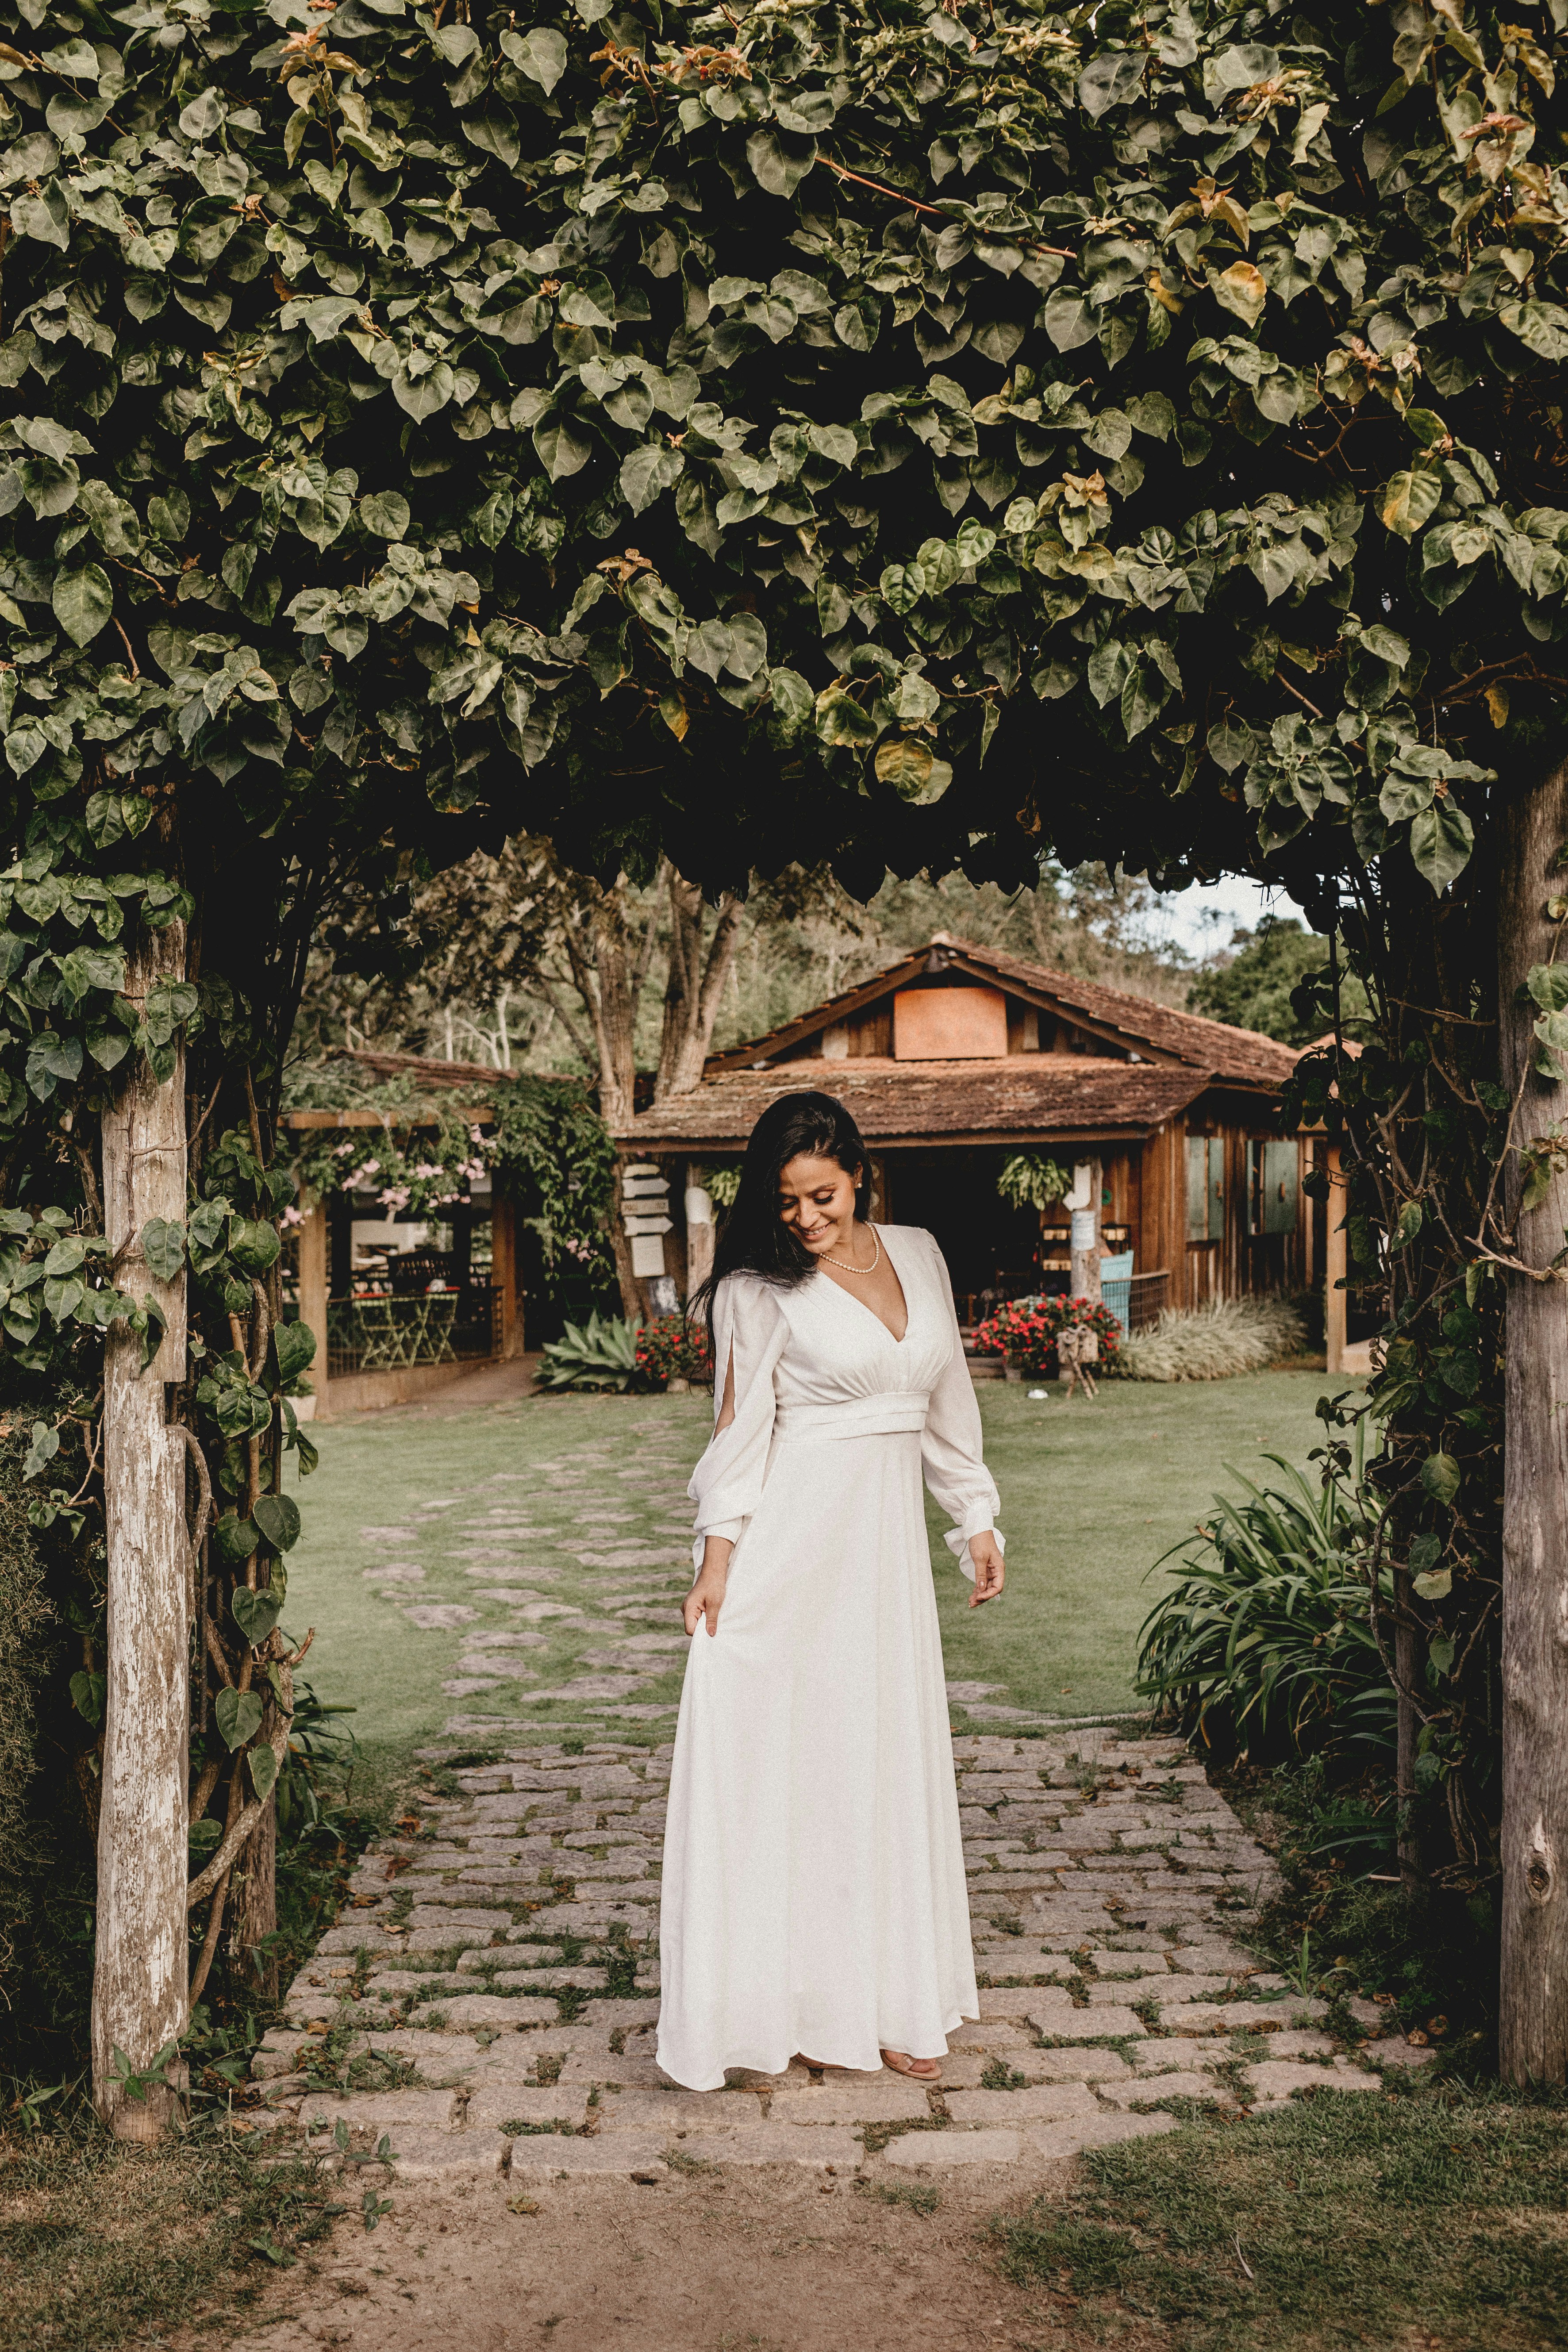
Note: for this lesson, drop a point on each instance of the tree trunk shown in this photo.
(1407, 1665)
(139, 1976)
(253, 1893)
(692, 991)
(1534, 2013)
(614, 1007)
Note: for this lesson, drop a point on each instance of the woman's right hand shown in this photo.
(706, 1597)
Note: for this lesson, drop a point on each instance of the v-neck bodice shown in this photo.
(855, 1299)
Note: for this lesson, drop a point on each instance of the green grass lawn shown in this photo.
(446, 1552)
(1092, 1494)
(1343, 2221)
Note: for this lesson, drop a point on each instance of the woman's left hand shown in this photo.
(989, 1574)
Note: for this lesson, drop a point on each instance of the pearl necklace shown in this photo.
(844, 1265)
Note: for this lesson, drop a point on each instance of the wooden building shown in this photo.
(957, 1055)
(395, 1318)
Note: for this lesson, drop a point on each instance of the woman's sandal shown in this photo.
(919, 2070)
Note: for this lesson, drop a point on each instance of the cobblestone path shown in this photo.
(487, 2006)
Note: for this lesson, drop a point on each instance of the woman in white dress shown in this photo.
(814, 1899)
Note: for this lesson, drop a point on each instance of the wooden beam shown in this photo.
(302, 1120)
(1005, 1138)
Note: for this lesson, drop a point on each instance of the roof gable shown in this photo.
(1129, 1024)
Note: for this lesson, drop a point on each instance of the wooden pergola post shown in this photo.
(503, 1272)
(313, 1271)
(1336, 1263)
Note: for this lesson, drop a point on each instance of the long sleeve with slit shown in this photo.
(814, 1894)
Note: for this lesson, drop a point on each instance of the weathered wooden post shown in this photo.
(1532, 2025)
(139, 1987)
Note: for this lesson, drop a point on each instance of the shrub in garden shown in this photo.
(1265, 1643)
(1217, 1341)
(671, 1349)
(1025, 1330)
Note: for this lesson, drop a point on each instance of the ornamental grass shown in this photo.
(1216, 1342)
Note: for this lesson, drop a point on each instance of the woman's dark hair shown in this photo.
(754, 1239)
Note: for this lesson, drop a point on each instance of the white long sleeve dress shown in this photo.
(814, 1893)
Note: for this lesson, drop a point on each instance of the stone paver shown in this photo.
(477, 2045)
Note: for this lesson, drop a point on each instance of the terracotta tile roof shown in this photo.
(1242, 1056)
(1024, 1094)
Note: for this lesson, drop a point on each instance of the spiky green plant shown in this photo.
(601, 1353)
(1265, 1642)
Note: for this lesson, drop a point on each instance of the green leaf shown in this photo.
(277, 1516)
(254, 1245)
(905, 763)
(1410, 499)
(294, 1345)
(540, 53)
(384, 513)
(1440, 1476)
(902, 586)
(1441, 840)
(423, 395)
(235, 1538)
(255, 1614)
(779, 162)
(840, 720)
(237, 1714)
(163, 1247)
(1407, 1226)
(647, 473)
(87, 1695)
(83, 601)
(262, 1765)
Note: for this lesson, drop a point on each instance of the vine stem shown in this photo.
(209, 1941)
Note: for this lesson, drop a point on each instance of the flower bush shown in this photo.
(671, 1349)
(1026, 1330)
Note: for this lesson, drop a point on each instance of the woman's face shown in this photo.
(817, 1201)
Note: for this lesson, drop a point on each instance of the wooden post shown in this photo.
(503, 1270)
(699, 1231)
(1085, 1276)
(1532, 2025)
(139, 1991)
(1336, 1264)
(313, 1292)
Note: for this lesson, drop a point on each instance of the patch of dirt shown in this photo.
(718, 2261)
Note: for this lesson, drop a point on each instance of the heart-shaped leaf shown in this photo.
(277, 1516)
(163, 1247)
(237, 1714)
(235, 1538)
(294, 1344)
(255, 1613)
